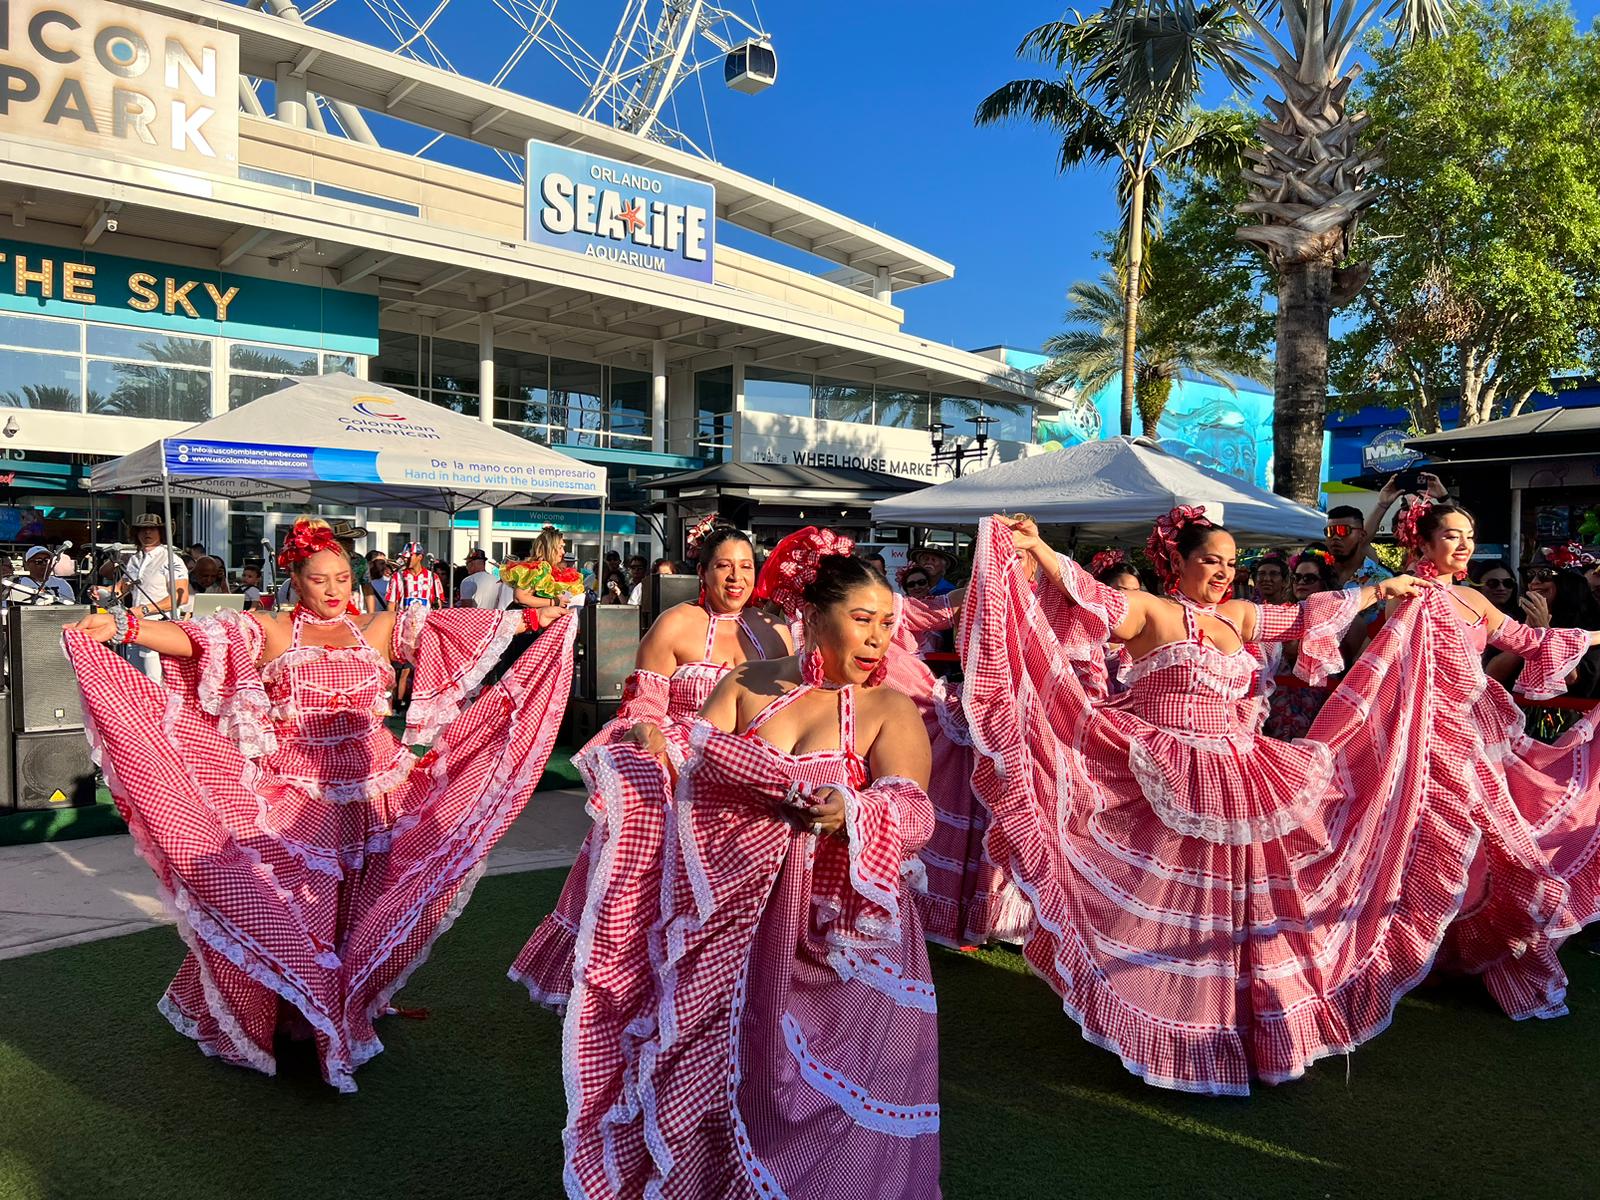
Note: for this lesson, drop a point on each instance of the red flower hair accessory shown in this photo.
(1162, 547)
(1312, 555)
(697, 534)
(1571, 557)
(1104, 560)
(1405, 525)
(792, 565)
(304, 540)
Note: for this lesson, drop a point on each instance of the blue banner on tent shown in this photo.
(248, 460)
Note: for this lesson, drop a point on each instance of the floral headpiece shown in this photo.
(1104, 560)
(304, 540)
(792, 565)
(697, 534)
(1163, 544)
(900, 575)
(1571, 557)
(1314, 554)
(1405, 525)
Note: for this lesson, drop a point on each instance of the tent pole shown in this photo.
(166, 505)
(94, 544)
(605, 494)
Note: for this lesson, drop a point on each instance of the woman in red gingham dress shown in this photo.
(309, 858)
(1549, 794)
(763, 1023)
(1212, 905)
(966, 900)
(688, 650)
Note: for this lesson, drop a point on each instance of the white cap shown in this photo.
(33, 550)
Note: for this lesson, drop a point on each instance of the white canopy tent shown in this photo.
(1108, 492)
(338, 440)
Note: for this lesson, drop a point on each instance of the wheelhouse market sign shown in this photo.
(620, 213)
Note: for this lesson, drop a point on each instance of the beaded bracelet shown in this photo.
(119, 618)
(132, 633)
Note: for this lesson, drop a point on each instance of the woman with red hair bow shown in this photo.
(686, 653)
(309, 857)
(1212, 905)
(758, 1019)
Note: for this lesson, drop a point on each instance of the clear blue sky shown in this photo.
(872, 116)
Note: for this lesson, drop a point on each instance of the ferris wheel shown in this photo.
(632, 82)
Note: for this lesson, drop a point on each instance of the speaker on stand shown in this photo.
(608, 642)
(662, 592)
(47, 754)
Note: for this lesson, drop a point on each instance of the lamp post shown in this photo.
(957, 453)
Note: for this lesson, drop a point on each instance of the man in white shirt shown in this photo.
(144, 584)
(39, 586)
(477, 580)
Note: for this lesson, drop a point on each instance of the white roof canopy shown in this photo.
(338, 440)
(1111, 492)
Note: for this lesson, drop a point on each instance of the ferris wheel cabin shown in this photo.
(751, 67)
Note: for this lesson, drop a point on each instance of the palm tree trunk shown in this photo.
(1130, 310)
(1305, 308)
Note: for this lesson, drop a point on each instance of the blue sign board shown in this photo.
(90, 286)
(620, 213)
(1387, 452)
(252, 460)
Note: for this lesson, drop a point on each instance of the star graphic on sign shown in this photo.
(632, 216)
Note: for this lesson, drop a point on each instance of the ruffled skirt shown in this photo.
(292, 904)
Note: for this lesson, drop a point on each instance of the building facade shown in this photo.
(186, 232)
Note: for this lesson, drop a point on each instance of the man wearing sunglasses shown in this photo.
(1349, 532)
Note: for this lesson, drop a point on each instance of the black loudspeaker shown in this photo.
(53, 770)
(584, 719)
(663, 591)
(608, 642)
(44, 690)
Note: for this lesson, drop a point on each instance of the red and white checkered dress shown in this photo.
(545, 965)
(309, 858)
(1215, 906)
(762, 1023)
(967, 900)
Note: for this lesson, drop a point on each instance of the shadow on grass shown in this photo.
(106, 1100)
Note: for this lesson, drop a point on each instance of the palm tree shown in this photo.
(1090, 356)
(1116, 103)
(1308, 179)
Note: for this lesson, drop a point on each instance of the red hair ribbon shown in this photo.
(1162, 547)
(697, 534)
(1405, 525)
(304, 540)
(792, 565)
(1104, 560)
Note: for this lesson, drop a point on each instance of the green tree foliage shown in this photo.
(1486, 247)
(1122, 97)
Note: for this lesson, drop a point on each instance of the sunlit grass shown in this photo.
(102, 1099)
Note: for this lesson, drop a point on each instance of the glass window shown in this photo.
(148, 345)
(903, 410)
(144, 390)
(629, 411)
(272, 360)
(1012, 422)
(841, 400)
(783, 392)
(522, 393)
(339, 364)
(575, 401)
(957, 412)
(712, 436)
(39, 333)
(242, 389)
(44, 381)
(396, 364)
(453, 366)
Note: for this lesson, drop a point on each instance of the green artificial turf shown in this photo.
(103, 1099)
